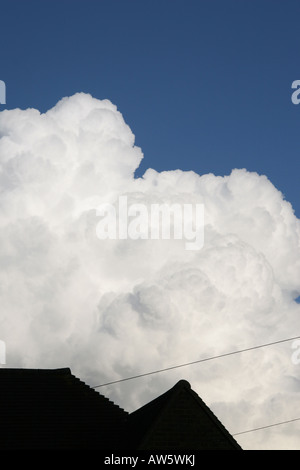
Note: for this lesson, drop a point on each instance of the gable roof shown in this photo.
(178, 419)
(54, 409)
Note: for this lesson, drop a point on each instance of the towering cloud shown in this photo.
(110, 309)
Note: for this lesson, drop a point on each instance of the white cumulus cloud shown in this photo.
(110, 309)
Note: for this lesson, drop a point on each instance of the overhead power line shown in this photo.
(265, 427)
(197, 362)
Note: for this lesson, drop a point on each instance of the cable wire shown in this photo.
(197, 362)
(265, 427)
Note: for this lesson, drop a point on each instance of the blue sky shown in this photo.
(204, 85)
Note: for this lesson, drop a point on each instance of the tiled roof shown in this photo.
(54, 409)
(178, 419)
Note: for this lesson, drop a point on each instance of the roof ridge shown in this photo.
(182, 383)
(154, 411)
(171, 392)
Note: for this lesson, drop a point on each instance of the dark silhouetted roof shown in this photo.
(54, 409)
(178, 419)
